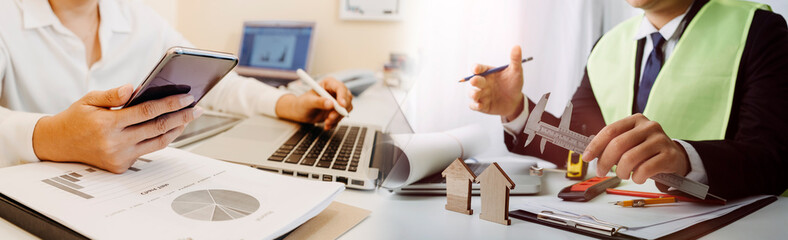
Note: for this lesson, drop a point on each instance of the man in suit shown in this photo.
(691, 87)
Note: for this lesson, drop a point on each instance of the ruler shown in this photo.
(563, 137)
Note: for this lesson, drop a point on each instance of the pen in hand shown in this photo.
(320, 91)
(494, 70)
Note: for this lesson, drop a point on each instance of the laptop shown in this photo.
(343, 154)
(359, 156)
(272, 51)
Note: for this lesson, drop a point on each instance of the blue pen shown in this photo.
(494, 70)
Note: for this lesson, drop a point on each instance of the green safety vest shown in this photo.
(692, 95)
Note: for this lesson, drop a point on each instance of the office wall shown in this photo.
(168, 9)
(338, 44)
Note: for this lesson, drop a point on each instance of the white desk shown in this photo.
(424, 217)
(417, 217)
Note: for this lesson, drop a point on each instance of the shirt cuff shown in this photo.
(697, 170)
(515, 126)
(16, 131)
(266, 103)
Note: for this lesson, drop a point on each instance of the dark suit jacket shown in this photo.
(753, 157)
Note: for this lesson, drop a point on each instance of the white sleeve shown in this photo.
(16, 128)
(233, 94)
(16, 137)
(697, 170)
(242, 95)
(516, 126)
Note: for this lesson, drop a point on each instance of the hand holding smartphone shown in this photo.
(90, 133)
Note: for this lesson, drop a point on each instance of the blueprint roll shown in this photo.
(419, 155)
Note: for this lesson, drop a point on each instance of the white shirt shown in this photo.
(671, 32)
(43, 67)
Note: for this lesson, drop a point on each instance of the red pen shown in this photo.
(661, 195)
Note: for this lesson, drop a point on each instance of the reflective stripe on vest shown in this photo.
(692, 95)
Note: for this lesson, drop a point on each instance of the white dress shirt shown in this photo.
(671, 32)
(43, 67)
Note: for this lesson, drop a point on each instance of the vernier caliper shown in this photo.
(576, 142)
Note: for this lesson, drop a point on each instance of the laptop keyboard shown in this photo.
(338, 148)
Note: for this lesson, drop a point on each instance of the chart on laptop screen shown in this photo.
(273, 51)
(274, 47)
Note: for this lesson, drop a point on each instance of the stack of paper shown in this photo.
(649, 222)
(169, 194)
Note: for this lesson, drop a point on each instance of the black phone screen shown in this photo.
(183, 73)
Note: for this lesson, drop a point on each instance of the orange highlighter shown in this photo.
(645, 202)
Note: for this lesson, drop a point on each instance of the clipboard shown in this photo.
(698, 230)
(34, 222)
(532, 217)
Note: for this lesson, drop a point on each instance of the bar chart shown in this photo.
(79, 182)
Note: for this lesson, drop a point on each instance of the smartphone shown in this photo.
(184, 71)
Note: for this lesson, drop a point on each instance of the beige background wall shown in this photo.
(165, 8)
(338, 44)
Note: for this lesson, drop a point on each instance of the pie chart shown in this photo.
(215, 205)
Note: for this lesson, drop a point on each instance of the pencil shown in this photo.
(658, 195)
(494, 70)
(644, 202)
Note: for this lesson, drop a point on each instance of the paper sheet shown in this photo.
(169, 194)
(424, 154)
(648, 222)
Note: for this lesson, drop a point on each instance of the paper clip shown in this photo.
(597, 226)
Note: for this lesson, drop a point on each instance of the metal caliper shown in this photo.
(563, 137)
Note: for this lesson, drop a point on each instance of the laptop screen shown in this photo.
(276, 45)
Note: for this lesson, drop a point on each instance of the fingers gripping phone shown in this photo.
(184, 71)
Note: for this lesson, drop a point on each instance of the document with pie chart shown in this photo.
(215, 205)
(168, 194)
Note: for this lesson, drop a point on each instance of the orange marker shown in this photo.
(644, 202)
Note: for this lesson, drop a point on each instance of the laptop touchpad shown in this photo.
(258, 132)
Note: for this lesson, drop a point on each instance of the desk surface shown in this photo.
(424, 217)
(420, 217)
